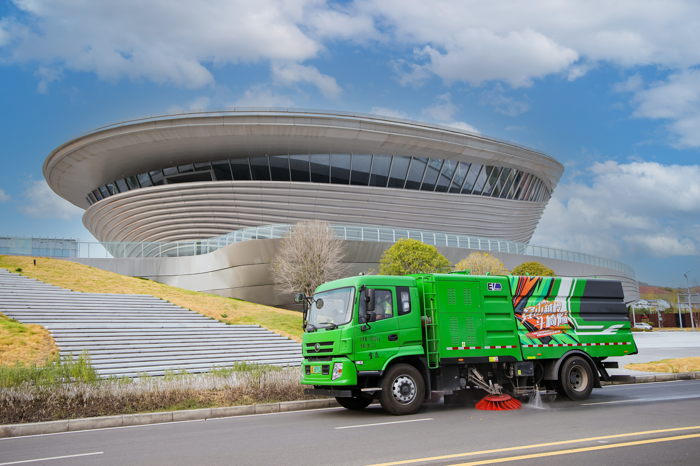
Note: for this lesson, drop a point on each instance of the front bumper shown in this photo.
(328, 393)
(347, 378)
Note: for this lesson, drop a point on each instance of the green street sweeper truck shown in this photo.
(403, 340)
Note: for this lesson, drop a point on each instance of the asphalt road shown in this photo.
(618, 425)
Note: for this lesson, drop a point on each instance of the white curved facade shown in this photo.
(193, 176)
(448, 180)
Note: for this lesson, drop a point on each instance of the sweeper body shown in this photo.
(405, 340)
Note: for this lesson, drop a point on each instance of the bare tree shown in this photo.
(310, 254)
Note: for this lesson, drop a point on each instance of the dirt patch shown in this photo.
(79, 277)
(673, 366)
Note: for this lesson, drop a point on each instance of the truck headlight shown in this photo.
(337, 370)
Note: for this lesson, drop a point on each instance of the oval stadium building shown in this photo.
(194, 176)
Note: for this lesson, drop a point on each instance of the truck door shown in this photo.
(377, 344)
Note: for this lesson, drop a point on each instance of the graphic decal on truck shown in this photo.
(542, 307)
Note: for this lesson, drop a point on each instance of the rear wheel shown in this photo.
(355, 403)
(575, 379)
(403, 390)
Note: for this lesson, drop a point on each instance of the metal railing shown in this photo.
(346, 232)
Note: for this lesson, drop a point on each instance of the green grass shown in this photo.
(56, 371)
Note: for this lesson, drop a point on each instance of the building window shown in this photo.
(360, 168)
(320, 168)
(340, 168)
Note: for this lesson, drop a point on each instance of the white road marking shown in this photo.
(612, 402)
(386, 423)
(52, 458)
(655, 398)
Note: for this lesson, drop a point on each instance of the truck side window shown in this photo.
(403, 295)
(384, 307)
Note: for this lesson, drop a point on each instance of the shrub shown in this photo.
(411, 256)
(18, 269)
(533, 268)
(481, 264)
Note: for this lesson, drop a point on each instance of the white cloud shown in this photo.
(292, 73)
(200, 103)
(390, 112)
(443, 110)
(676, 100)
(163, 41)
(502, 104)
(631, 84)
(479, 55)
(262, 96)
(46, 76)
(641, 208)
(462, 125)
(41, 202)
(4, 197)
(443, 113)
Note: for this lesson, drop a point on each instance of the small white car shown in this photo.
(643, 326)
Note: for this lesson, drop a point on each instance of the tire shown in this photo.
(355, 403)
(575, 379)
(403, 390)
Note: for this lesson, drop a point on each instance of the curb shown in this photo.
(630, 379)
(72, 425)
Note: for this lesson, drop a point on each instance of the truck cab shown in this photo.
(348, 346)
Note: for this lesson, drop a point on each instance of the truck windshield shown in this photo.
(336, 309)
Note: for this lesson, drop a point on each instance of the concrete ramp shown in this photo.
(127, 335)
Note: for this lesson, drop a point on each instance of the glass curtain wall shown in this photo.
(376, 170)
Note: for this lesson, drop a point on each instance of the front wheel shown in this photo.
(403, 390)
(576, 379)
(355, 403)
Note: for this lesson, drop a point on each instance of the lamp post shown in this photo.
(690, 305)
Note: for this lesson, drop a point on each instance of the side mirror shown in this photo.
(319, 303)
(371, 317)
(299, 298)
(370, 301)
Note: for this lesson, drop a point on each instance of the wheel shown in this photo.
(575, 379)
(403, 390)
(355, 403)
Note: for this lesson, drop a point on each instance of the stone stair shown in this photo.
(127, 335)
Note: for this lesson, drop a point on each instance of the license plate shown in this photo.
(315, 369)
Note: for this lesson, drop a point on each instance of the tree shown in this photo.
(481, 264)
(310, 254)
(412, 256)
(535, 269)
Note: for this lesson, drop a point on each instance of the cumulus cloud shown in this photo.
(677, 100)
(166, 41)
(293, 73)
(41, 202)
(443, 113)
(4, 197)
(262, 96)
(480, 55)
(642, 208)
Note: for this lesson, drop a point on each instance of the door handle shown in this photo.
(393, 337)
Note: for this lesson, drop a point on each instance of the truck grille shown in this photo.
(324, 347)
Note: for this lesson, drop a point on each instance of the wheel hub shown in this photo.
(404, 389)
(578, 378)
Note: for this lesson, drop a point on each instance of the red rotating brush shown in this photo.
(498, 403)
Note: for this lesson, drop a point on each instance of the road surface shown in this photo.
(636, 424)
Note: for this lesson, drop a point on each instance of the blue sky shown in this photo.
(612, 90)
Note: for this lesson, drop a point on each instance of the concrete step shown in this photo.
(132, 334)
